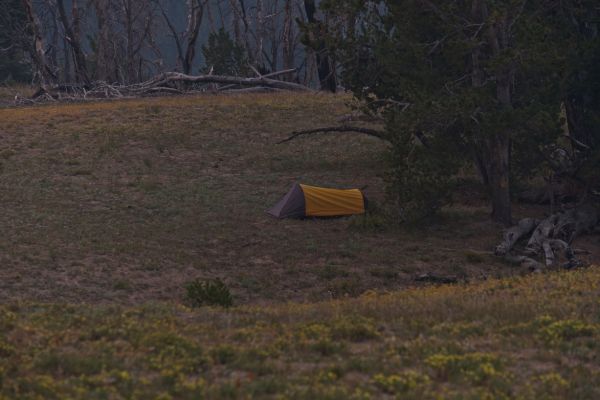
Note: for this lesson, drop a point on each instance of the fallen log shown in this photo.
(431, 278)
(513, 234)
(526, 262)
(173, 77)
(257, 89)
(549, 236)
(565, 225)
(170, 83)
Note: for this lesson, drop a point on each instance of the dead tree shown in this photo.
(235, 22)
(38, 53)
(133, 22)
(287, 38)
(325, 70)
(103, 61)
(260, 34)
(172, 83)
(195, 10)
(73, 36)
(555, 233)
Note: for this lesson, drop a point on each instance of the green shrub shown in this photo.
(476, 368)
(223, 354)
(355, 329)
(401, 382)
(327, 347)
(224, 56)
(566, 330)
(211, 292)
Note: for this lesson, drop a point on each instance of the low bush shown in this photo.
(212, 292)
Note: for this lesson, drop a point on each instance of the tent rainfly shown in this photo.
(311, 201)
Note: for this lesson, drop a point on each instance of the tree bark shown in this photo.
(288, 50)
(235, 22)
(513, 234)
(325, 71)
(102, 61)
(495, 146)
(46, 76)
(498, 172)
(260, 34)
(555, 233)
(195, 11)
(73, 37)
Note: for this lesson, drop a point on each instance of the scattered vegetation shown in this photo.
(208, 292)
(223, 56)
(127, 201)
(524, 338)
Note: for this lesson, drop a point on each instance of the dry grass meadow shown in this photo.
(124, 202)
(110, 208)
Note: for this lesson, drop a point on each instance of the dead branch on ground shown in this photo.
(365, 131)
(170, 83)
(555, 233)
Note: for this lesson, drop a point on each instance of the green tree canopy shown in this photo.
(224, 56)
(14, 64)
(460, 83)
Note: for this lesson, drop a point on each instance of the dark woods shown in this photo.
(507, 90)
(129, 41)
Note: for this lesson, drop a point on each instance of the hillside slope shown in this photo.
(126, 201)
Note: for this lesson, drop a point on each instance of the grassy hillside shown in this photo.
(126, 201)
(111, 208)
(536, 337)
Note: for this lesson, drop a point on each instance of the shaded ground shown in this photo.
(127, 201)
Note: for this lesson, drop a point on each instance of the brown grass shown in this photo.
(126, 201)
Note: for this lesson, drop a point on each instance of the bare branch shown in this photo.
(366, 131)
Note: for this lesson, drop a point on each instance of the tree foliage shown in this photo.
(462, 83)
(14, 64)
(224, 56)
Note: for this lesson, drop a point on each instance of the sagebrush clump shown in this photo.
(212, 292)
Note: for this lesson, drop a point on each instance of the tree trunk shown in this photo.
(498, 174)
(128, 22)
(260, 33)
(73, 37)
(235, 23)
(324, 68)
(195, 11)
(46, 76)
(575, 106)
(288, 51)
(102, 61)
(67, 61)
(495, 145)
(211, 20)
(53, 53)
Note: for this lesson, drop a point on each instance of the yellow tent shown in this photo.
(311, 201)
